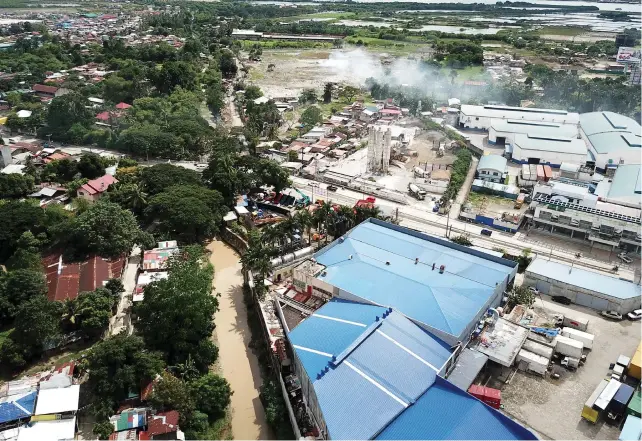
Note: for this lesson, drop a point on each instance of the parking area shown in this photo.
(553, 407)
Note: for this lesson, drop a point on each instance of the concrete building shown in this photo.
(612, 139)
(531, 149)
(492, 168)
(379, 147)
(441, 286)
(367, 372)
(483, 117)
(582, 287)
(572, 207)
(94, 189)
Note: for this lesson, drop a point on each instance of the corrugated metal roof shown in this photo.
(468, 365)
(16, 407)
(605, 131)
(551, 144)
(379, 364)
(534, 128)
(492, 162)
(600, 283)
(521, 113)
(447, 412)
(626, 185)
(447, 302)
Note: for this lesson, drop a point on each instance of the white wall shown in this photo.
(555, 158)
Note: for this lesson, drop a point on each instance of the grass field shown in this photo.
(327, 15)
(570, 31)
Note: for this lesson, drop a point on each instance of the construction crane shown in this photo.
(304, 201)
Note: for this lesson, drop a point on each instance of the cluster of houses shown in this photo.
(333, 139)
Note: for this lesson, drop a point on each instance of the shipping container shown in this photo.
(526, 172)
(621, 399)
(635, 405)
(584, 337)
(568, 346)
(607, 395)
(636, 362)
(548, 173)
(632, 429)
(535, 363)
(590, 413)
(578, 323)
(488, 395)
(540, 173)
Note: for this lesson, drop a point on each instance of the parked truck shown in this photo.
(590, 412)
(416, 192)
(519, 201)
(569, 347)
(583, 337)
(581, 324)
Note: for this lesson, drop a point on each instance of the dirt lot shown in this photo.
(425, 145)
(553, 407)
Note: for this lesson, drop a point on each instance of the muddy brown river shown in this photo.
(238, 364)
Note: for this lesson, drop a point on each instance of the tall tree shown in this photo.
(212, 394)
(18, 287)
(67, 110)
(91, 166)
(162, 176)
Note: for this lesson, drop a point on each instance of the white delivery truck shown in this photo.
(538, 348)
(568, 346)
(579, 323)
(584, 337)
(536, 363)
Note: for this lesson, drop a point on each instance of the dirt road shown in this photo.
(238, 364)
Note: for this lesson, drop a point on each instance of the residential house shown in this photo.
(162, 426)
(492, 168)
(155, 259)
(67, 280)
(94, 189)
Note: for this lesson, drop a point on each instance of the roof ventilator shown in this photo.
(416, 260)
(442, 268)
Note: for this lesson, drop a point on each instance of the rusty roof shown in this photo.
(67, 280)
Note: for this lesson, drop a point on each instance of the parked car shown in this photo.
(624, 258)
(332, 188)
(635, 315)
(614, 315)
(533, 290)
(486, 232)
(561, 299)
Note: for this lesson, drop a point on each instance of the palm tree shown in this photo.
(136, 198)
(304, 219)
(70, 312)
(322, 217)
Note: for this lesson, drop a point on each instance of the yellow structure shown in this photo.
(636, 363)
(589, 413)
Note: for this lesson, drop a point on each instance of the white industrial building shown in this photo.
(612, 139)
(587, 288)
(571, 207)
(532, 149)
(624, 188)
(482, 117)
(492, 168)
(503, 131)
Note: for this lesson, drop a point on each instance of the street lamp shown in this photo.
(450, 204)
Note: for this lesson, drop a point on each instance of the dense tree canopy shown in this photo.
(15, 185)
(162, 176)
(18, 287)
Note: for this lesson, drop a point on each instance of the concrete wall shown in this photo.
(579, 295)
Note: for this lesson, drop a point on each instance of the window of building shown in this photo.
(495, 174)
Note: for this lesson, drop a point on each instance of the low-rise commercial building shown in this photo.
(483, 117)
(587, 288)
(532, 149)
(492, 168)
(503, 132)
(612, 139)
(572, 207)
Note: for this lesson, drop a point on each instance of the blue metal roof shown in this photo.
(597, 282)
(376, 261)
(447, 412)
(608, 131)
(370, 366)
(15, 407)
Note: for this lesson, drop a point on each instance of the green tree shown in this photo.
(327, 92)
(162, 176)
(61, 170)
(308, 96)
(67, 110)
(103, 429)
(17, 218)
(91, 166)
(227, 64)
(117, 366)
(462, 240)
(257, 259)
(171, 393)
(347, 93)
(93, 312)
(104, 229)
(175, 74)
(293, 156)
(27, 255)
(18, 287)
(15, 185)
(311, 117)
(129, 196)
(252, 93)
(187, 212)
(521, 295)
(212, 394)
(184, 297)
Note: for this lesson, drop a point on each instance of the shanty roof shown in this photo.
(67, 280)
(608, 131)
(376, 261)
(59, 400)
(49, 430)
(492, 162)
(162, 423)
(589, 280)
(15, 407)
(377, 362)
(129, 419)
(44, 89)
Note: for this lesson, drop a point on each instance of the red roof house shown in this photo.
(41, 89)
(67, 280)
(163, 425)
(94, 189)
(123, 106)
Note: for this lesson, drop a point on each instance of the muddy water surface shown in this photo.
(238, 364)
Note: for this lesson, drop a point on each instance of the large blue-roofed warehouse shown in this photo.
(443, 287)
(372, 360)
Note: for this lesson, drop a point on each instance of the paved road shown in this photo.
(122, 320)
(436, 224)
